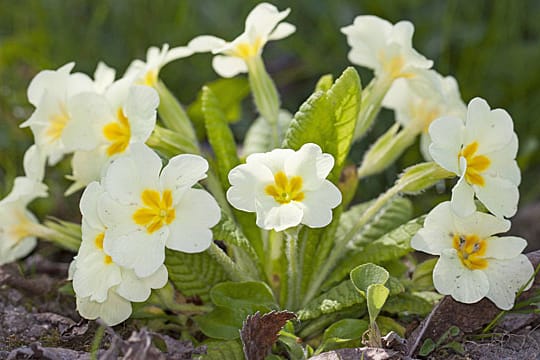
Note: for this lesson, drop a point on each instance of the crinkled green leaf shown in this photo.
(219, 135)
(339, 297)
(396, 212)
(220, 350)
(228, 232)
(393, 245)
(328, 118)
(242, 294)
(258, 138)
(345, 97)
(422, 277)
(234, 302)
(368, 274)
(193, 274)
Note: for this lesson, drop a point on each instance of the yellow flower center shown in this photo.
(247, 50)
(158, 211)
(393, 66)
(150, 78)
(423, 115)
(118, 133)
(476, 165)
(285, 190)
(57, 123)
(471, 250)
(98, 241)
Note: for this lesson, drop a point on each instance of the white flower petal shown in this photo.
(196, 213)
(492, 129)
(228, 66)
(89, 113)
(318, 205)
(93, 277)
(128, 176)
(87, 166)
(138, 250)
(247, 180)
(446, 137)
(282, 31)
(134, 288)
(176, 53)
(89, 204)
(206, 43)
(463, 198)
(505, 247)
(113, 311)
(140, 110)
(183, 171)
(34, 163)
(505, 279)
(500, 196)
(103, 77)
(278, 218)
(450, 277)
(48, 80)
(263, 19)
(311, 163)
(482, 224)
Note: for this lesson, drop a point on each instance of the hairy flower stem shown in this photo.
(293, 273)
(265, 95)
(340, 244)
(372, 97)
(232, 270)
(273, 253)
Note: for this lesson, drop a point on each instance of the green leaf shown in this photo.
(408, 303)
(234, 302)
(228, 232)
(222, 323)
(428, 346)
(368, 274)
(393, 245)
(387, 324)
(396, 212)
(242, 294)
(219, 350)
(193, 274)
(422, 277)
(324, 83)
(230, 92)
(174, 117)
(376, 297)
(345, 333)
(422, 176)
(258, 138)
(219, 135)
(328, 119)
(340, 297)
(345, 97)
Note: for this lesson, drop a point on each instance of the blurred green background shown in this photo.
(491, 47)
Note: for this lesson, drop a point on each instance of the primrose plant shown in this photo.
(200, 238)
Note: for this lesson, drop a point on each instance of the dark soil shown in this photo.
(38, 321)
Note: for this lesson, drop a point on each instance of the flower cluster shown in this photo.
(134, 208)
(129, 218)
(476, 144)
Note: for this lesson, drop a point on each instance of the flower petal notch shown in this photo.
(286, 188)
(146, 208)
(385, 48)
(264, 23)
(474, 263)
(481, 150)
